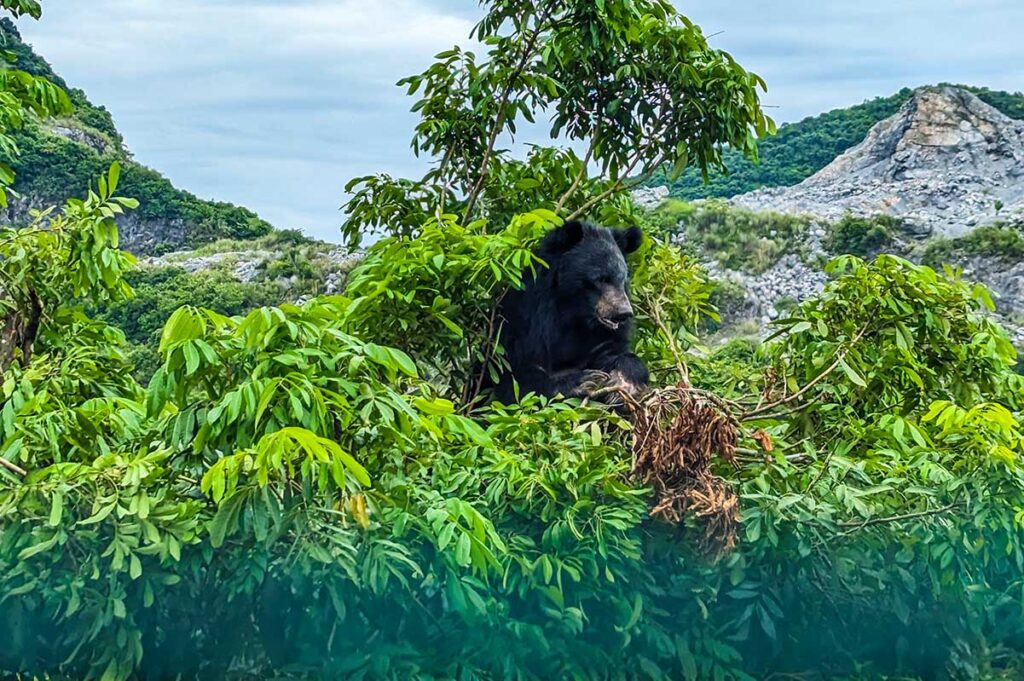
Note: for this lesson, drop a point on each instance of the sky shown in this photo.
(276, 104)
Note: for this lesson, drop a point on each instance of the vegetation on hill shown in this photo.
(803, 148)
(320, 491)
(736, 238)
(52, 167)
(1003, 241)
(863, 236)
(159, 292)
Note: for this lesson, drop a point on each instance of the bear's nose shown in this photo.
(622, 314)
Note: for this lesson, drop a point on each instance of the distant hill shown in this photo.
(946, 163)
(60, 157)
(801, 149)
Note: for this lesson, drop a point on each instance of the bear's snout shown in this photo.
(613, 308)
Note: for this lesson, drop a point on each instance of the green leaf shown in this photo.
(225, 521)
(56, 509)
(113, 176)
(851, 374)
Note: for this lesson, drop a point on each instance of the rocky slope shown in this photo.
(325, 264)
(945, 163)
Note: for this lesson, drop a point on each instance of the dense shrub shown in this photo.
(287, 494)
(316, 492)
(862, 236)
(161, 291)
(1002, 241)
(737, 238)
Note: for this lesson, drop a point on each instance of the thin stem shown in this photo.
(14, 468)
(499, 124)
(897, 518)
(655, 309)
(619, 185)
(445, 181)
(579, 177)
(817, 379)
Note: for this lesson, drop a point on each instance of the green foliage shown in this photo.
(737, 238)
(636, 83)
(283, 479)
(860, 236)
(908, 336)
(22, 95)
(95, 118)
(313, 492)
(672, 302)
(1002, 241)
(20, 7)
(898, 458)
(803, 148)
(161, 291)
(729, 299)
(59, 257)
(436, 295)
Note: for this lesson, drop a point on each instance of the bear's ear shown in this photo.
(629, 239)
(565, 237)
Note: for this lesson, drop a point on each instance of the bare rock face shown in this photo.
(650, 197)
(945, 163)
(82, 136)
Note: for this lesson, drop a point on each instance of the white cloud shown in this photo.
(275, 104)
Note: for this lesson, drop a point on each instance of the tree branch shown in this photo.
(655, 310)
(619, 185)
(897, 518)
(14, 468)
(579, 177)
(817, 379)
(499, 124)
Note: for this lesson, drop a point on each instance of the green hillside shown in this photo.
(59, 157)
(801, 149)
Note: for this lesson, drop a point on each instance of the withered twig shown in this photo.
(14, 468)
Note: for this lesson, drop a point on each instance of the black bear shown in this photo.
(569, 329)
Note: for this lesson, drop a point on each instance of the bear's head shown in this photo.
(588, 266)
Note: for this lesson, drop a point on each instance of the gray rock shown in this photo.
(937, 164)
(650, 197)
(75, 134)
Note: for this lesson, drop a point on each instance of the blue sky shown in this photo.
(275, 104)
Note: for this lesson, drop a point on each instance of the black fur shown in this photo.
(553, 333)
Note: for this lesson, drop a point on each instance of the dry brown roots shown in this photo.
(678, 432)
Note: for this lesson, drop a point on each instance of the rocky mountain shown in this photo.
(802, 148)
(940, 181)
(59, 158)
(943, 164)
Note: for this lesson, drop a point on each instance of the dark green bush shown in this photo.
(161, 291)
(315, 492)
(1003, 241)
(737, 238)
(861, 236)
